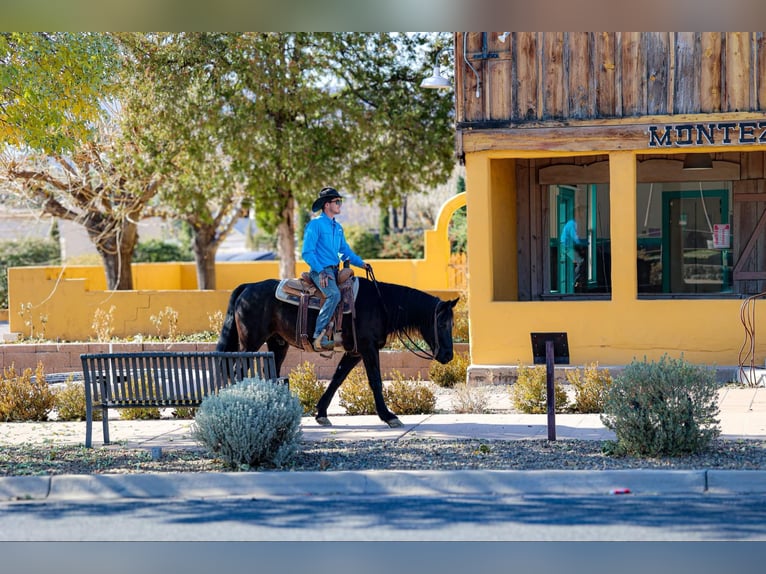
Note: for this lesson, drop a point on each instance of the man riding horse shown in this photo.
(324, 245)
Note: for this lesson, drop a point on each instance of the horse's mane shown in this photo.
(408, 310)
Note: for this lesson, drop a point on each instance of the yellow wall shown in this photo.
(61, 303)
(608, 332)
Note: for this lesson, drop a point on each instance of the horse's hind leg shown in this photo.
(346, 364)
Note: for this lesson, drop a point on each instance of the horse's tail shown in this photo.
(228, 341)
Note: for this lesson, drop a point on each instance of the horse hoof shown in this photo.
(394, 423)
(323, 421)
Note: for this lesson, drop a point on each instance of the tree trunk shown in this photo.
(286, 241)
(117, 254)
(205, 248)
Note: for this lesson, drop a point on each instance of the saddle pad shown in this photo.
(314, 302)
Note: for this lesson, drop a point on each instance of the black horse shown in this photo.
(255, 316)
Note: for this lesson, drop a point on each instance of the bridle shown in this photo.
(415, 349)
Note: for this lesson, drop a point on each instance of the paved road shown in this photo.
(393, 518)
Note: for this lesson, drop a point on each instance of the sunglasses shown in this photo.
(338, 201)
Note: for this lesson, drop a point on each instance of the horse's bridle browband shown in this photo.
(418, 351)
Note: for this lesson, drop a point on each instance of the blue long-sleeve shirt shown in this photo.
(324, 244)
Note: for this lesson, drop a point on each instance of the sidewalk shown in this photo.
(742, 416)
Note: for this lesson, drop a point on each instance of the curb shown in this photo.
(381, 483)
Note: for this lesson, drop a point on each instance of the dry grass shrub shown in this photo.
(408, 396)
(529, 394)
(356, 395)
(452, 373)
(25, 399)
(590, 387)
(305, 385)
(69, 402)
(460, 325)
(470, 398)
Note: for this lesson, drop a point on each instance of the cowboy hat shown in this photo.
(327, 194)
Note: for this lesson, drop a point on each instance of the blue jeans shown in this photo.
(332, 298)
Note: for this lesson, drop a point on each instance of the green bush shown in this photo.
(23, 398)
(665, 408)
(406, 244)
(364, 242)
(305, 385)
(452, 373)
(157, 251)
(529, 394)
(590, 388)
(250, 424)
(356, 395)
(25, 253)
(408, 396)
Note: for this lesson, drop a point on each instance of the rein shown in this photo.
(416, 349)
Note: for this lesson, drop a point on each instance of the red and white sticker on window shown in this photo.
(721, 235)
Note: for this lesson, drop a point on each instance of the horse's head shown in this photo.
(441, 345)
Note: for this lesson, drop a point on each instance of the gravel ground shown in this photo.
(403, 454)
(411, 454)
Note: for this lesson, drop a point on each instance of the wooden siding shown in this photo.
(559, 76)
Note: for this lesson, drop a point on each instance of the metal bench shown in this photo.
(163, 379)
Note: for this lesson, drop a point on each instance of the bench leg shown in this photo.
(88, 425)
(105, 420)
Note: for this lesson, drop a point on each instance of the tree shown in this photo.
(51, 87)
(176, 112)
(55, 116)
(96, 186)
(334, 109)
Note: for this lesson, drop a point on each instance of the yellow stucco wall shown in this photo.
(608, 332)
(61, 303)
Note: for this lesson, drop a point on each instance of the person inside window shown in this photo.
(573, 249)
(324, 246)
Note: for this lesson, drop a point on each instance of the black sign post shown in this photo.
(550, 348)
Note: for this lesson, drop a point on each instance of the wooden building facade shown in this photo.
(652, 145)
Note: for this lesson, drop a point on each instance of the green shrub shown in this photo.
(408, 396)
(665, 408)
(22, 398)
(69, 402)
(24, 253)
(405, 244)
(157, 251)
(530, 392)
(250, 424)
(356, 395)
(470, 398)
(590, 388)
(305, 385)
(452, 373)
(364, 242)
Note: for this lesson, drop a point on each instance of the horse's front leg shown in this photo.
(347, 363)
(372, 366)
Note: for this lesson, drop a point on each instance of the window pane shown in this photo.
(684, 237)
(579, 244)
